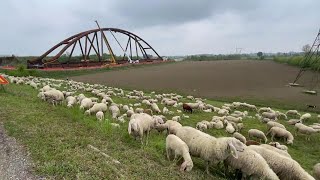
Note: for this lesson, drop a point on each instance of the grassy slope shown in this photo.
(57, 138)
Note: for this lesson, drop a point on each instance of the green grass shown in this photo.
(58, 137)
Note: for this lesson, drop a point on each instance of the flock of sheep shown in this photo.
(254, 157)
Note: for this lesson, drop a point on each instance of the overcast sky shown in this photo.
(172, 27)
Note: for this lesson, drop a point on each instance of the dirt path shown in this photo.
(14, 162)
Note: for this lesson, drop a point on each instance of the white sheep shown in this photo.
(54, 95)
(229, 127)
(115, 111)
(212, 150)
(240, 137)
(100, 115)
(223, 112)
(201, 126)
(165, 110)
(155, 108)
(234, 119)
(305, 117)
(129, 113)
(279, 146)
(170, 102)
(218, 124)
(179, 148)
(316, 171)
(269, 115)
(282, 133)
(285, 168)
(279, 151)
(86, 103)
(271, 124)
(303, 129)
(139, 110)
(252, 165)
(257, 134)
(97, 107)
(71, 101)
(294, 121)
(176, 118)
(173, 126)
(140, 124)
(293, 113)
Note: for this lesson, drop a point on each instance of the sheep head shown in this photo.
(186, 166)
(234, 145)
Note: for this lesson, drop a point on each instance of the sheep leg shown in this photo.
(168, 153)
(147, 137)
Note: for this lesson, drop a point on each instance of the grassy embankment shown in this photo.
(58, 139)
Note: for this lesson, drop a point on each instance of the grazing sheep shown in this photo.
(271, 124)
(265, 109)
(269, 115)
(139, 110)
(148, 111)
(279, 151)
(316, 171)
(140, 124)
(279, 146)
(257, 134)
(252, 165)
(129, 113)
(173, 126)
(294, 121)
(54, 96)
(234, 119)
(115, 111)
(165, 110)
(223, 112)
(303, 129)
(285, 168)
(305, 117)
(179, 148)
(281, 115)
(229, 127)
(240, 126)
(240, 137)
(86, 103)
(97, 107)
(193, 105)
(176, 118)
(186, 107)
(71, 101)
(170, 102)
(155, 108)
(282, 133)
(161, 127)
(201, 126)
(100, 115)
(212, 150)
(293, 113)
(217, 124)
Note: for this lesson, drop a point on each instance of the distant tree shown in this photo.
(306, 48)
(260, 55)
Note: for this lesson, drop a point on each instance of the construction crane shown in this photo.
(312, 57)
(113, 59)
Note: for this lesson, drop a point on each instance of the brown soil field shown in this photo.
(245, 80)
